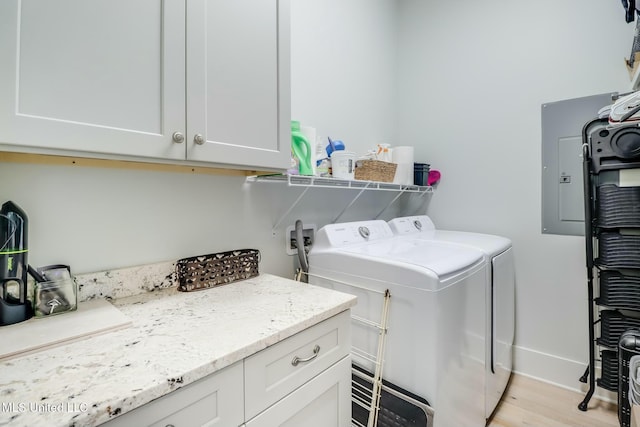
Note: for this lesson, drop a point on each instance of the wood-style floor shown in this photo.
(528, 402)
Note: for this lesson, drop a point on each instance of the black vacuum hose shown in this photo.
(302, 255)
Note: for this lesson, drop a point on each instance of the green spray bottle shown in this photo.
(301, 149)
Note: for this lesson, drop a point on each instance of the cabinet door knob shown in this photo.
(178, 137)
(198, 139)
(297, 359)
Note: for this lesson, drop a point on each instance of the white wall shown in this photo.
(343, 69)
(96, 219)
(472, 78)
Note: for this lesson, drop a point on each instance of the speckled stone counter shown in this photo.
(176, 338)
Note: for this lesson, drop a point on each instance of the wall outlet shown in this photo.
(308, 233)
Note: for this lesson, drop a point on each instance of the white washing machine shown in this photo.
(500, 295)
(435, 342)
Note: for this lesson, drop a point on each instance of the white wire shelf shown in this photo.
(322, 182)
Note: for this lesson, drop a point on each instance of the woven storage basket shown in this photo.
(375, 170)
(208, 271)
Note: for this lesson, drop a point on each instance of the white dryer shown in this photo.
(500, 294)
(435, 342)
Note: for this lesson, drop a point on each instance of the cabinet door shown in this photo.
(102, 76)
(238, 95)
(216, 400)
(325, 401)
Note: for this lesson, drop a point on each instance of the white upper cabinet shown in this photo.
(131, 78)
(238, 96)
(103, 76)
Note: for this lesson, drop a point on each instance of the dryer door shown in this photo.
(502, 327)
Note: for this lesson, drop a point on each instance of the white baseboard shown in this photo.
(557, 370)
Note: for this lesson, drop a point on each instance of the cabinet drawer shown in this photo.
(215, 400)
(325, 401)
(272, 373)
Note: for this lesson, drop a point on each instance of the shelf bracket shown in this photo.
(292, 207)
(351, 203)
(421, 194)
(390, 203)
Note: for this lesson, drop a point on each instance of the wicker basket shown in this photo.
(375, 170)
(208, 271)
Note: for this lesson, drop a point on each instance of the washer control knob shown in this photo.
(364, 232)
(417, 224)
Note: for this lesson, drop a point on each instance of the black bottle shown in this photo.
(14, 303)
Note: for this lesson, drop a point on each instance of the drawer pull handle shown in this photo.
(297, 360)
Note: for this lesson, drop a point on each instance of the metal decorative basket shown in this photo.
(207, 271)
(375, 170)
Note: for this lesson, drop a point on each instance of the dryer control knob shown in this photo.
(364, 232)
(417, 224)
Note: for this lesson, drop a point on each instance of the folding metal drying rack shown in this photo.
(376, 402)
(611, 158)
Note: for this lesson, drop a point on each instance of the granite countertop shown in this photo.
(175, 339)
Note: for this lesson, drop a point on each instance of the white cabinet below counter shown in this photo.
(325, 401)
(190, 81)
(212, 401)
(302, 380)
